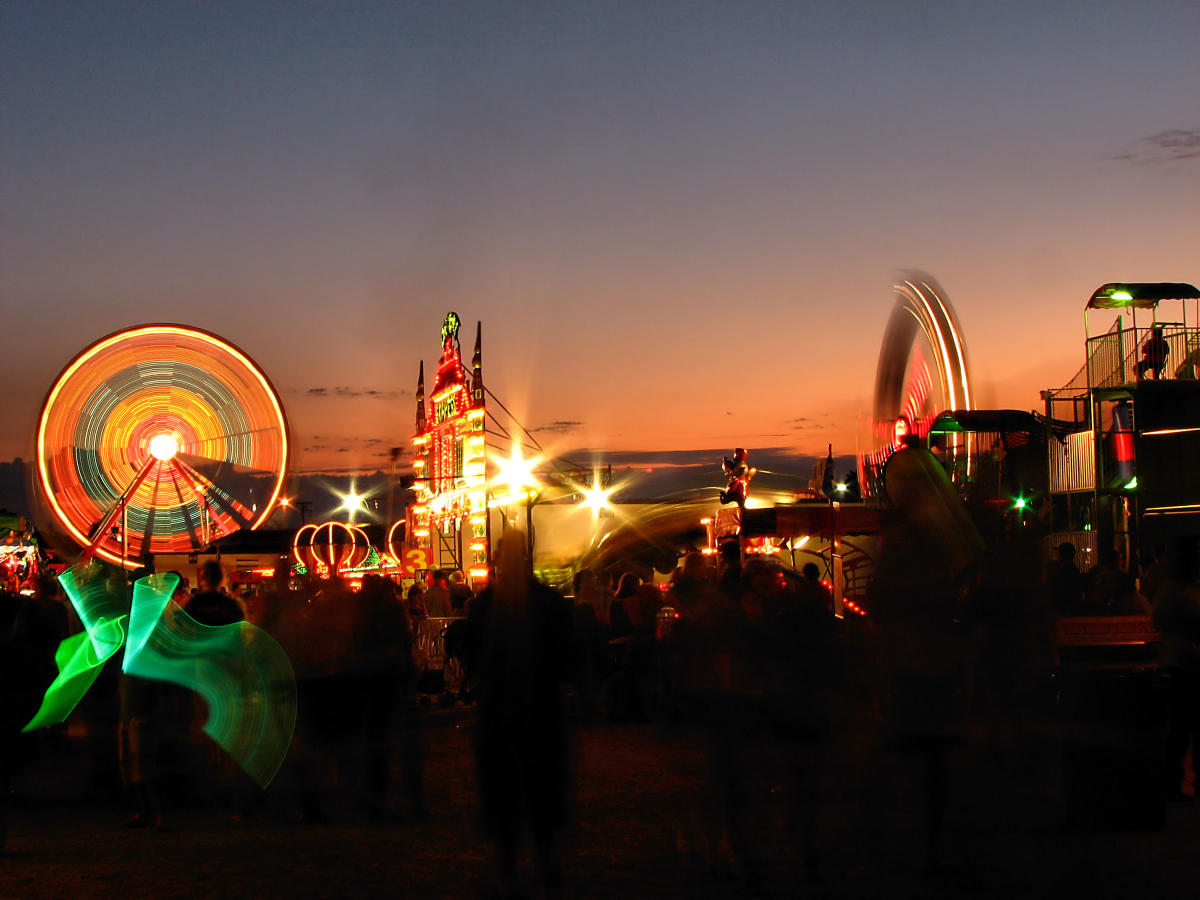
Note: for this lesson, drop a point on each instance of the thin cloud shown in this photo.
(558, 426)
(1167, 146)
(344, 391)
(348, 443)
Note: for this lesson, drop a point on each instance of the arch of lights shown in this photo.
(331, 546)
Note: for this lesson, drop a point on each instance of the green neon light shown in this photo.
(1019, 503)
(1131, 484)
(241, 672)
(1122, 295)
(78, 667)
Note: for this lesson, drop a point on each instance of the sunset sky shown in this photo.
(678, 222)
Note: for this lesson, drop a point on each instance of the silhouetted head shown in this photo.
(628, 585)
(210, 576)
(1066, 552)
(583, 580)
(762, 575)
(511, 557)
(811, 572)
(694, 566)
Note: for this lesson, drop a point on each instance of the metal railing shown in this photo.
(1113, 358)
(1073, 463)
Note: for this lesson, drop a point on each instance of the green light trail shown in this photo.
(241, 672)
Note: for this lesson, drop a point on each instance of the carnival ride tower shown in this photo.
(1123, 474)
(449, 521)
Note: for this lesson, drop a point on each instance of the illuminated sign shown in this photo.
(447, 522)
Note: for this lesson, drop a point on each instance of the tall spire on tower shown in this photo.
(421, 399)
(477, 368)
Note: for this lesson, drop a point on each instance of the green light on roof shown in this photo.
(1019, 503)
(1131, 484)
(1122, 295)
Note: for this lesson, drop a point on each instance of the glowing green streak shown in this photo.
(80, 657)
(150, 597)
(241, 672)
(79, 665)
(89, 594)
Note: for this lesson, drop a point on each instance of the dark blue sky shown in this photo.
(678, 222)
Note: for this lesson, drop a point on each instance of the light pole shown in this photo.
(516, 475)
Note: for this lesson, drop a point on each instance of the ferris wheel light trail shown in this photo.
(163, 447)
(922, 369)
(193, 407)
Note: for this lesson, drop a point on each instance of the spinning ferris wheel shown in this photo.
(160, 439)
(922, 370)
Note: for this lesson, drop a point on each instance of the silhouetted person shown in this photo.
(1110, 590)
(1189, 366)
(916, 598)
(588, 640)
(522, 639)
(1177, 618)
(1013, 648)
(383, 666)
(437, 596)
(811, 592)
(707, 648)
(1155, 569)
(630, 693)
(729, 570)
(213, 607)
(1154, 355)
(460, 594)
(1065, 582)
(791, 638)
(143, 706)
(210, 605)
(26, 670)
(692, 581)
(621, 611)
(417, 610)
